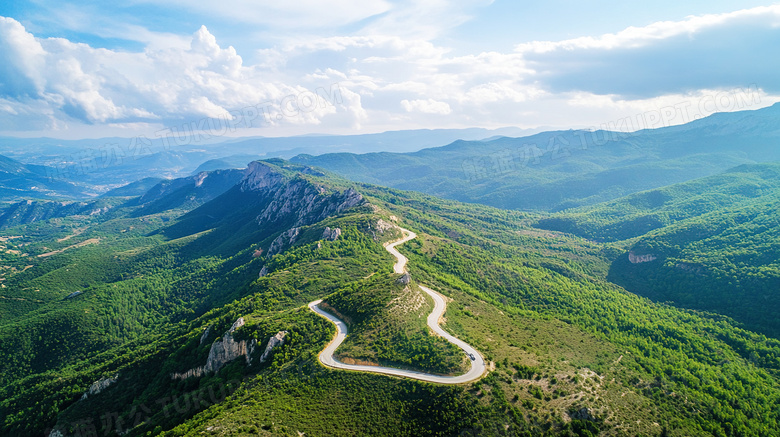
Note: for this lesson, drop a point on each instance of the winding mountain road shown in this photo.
(477, 362)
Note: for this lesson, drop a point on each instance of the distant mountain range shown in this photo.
(24, 181)
(557, 170)
(547, 171)
(161, 309)
(100, 165)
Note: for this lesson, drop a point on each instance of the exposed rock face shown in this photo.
(383, 226)
(72, 295)
(307, 203)
(222, 352)
(200, 178)
(405, 279)
(637, 259)
(259, 176)
(273, 342)
(237, 324)
(98, 386)
(297, 200)
(205, 335)
(331, 234)
(263, 271)
(227, 350)
(285, 239)
(582, 414)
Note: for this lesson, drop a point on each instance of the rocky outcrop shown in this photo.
(405, 279)
(307, 203)
(638, 259)
(294, 199)
(260, 176)
(263, 271)
(383, 226)
(582, 414)
(285, 239)
(331, 234)
(228, 349)
(72, 295)
(222, 352)
(98, 386)
(273, 342)
(205, 335)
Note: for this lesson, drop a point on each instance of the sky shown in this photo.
(91, 69)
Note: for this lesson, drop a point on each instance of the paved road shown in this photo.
(400, 263)
(440, 305)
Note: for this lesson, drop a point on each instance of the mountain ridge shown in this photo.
(568, 351)
(601, 165)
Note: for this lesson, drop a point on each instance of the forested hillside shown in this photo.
(557, 170)
(129, 308)
(640, 213)
(710, 244)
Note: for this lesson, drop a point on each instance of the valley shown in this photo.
(565, 349)
(386, 218)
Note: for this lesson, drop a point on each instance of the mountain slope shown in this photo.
(709, 244)
(640, 213)
(137, 188)
(726, 261)
(22, 181)
(187, 191)
(558, 170)
(570, 353)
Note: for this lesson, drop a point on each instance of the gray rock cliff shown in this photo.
(222, 352)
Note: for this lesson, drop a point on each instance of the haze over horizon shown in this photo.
(82, 70)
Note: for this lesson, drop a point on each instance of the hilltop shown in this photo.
(553, 171)
(178, 307)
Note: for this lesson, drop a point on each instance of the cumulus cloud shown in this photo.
(709, 51)
(95, 86)
(23, 60)
(386, 80)
(428, 106)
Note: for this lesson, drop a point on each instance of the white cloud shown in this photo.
(23, 60)
(428, 19)
(76, 82)
(389, 78)
(633, 37)
(708, 51)
(428, 106)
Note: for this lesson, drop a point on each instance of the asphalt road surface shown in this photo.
(478, 366)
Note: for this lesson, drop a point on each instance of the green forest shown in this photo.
(579, 340)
